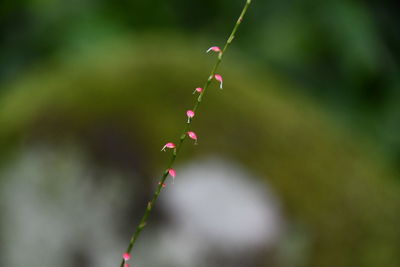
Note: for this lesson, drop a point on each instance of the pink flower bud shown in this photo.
(193, 136)
(126, 256)
(214, 48)
(168, 145)
(172, 172)
(190, 115)
(163, 184)
(198, 89)
(126, 265)
(219, 79)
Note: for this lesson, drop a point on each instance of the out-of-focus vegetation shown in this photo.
(121, 105)
(311, 102)
(343, 53)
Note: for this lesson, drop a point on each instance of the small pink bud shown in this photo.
(193, 136)
(163, 185)
(168, 145)
(214, 48)
(126, 265)
(219, 79)
(190, 114)
(198, 89)
(126, 256)
(172, 172)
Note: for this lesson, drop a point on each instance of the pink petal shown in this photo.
(214, 48)
(172, 172)
(192, 135)
(190, 113)
(168, 145)
(126, 256)
(219, 78)
(198, 89)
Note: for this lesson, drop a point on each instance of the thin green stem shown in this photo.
(182, 138)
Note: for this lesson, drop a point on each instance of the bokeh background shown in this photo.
(298, 157)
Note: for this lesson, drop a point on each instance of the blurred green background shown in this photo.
(94, 89)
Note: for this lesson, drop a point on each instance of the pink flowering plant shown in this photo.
(187, 132)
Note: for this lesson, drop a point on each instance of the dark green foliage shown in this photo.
(342, 53)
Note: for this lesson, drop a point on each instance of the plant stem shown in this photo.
(182, 138)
